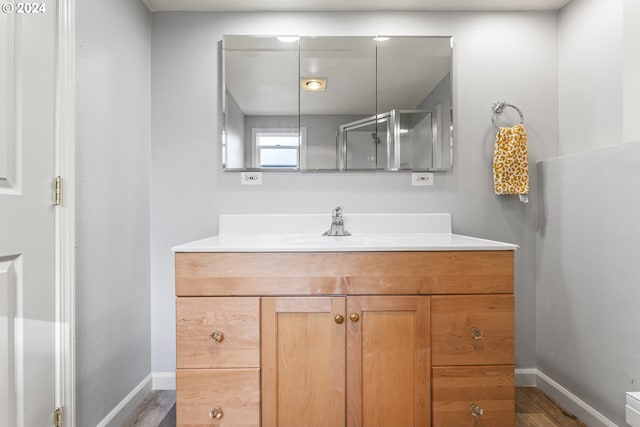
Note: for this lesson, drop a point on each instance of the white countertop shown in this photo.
(317, 243)
(371, 232)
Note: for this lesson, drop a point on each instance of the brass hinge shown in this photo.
(57, 198)
(57, 417)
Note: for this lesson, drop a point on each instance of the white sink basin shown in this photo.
(337, 241)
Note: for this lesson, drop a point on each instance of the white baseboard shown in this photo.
(116, 417)
(526, 377)
(564, 398)
(164, 380)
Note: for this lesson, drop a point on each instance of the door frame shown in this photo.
(65, 213)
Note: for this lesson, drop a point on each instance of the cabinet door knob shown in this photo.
(339, 319)
(216, 413)
(354, 317)
(217, 336)
(476, 411)
(476, 333)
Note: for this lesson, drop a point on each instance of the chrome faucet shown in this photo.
(337, 224)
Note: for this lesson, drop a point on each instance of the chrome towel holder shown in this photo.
(499, 107)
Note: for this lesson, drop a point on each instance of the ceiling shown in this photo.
(263, 74)
(343, 5)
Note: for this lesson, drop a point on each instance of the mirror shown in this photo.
(347, 68)
(337, 103)
(260, 103)
(415, 88)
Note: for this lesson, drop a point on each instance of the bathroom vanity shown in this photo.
(374, 329)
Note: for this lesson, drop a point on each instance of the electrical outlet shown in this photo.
(422, 178)
(251, 178)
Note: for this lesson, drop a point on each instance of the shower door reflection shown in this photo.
(365, 144)
(395, 140)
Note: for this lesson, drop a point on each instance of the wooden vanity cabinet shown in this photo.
(356, 339)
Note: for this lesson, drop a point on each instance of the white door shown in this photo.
(27, 234)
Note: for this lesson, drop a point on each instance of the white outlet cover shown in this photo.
(422, 178)
(251, 178)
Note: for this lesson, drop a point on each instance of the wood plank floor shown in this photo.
(157, 410)
(533, 409)
(536, 409)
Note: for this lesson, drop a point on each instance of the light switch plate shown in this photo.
(251, 178)
(422, 178)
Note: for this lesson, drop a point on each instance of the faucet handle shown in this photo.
(337, 212)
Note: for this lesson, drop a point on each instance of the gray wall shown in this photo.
(588, 241)
(588, 322)
(631, 79)
(510, 56)
(591, 57)
(113, 178)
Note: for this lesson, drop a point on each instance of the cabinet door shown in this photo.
(303, 362)
(388, 366)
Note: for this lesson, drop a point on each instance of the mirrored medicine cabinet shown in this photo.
(337, 103)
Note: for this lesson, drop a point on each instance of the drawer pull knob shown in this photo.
(217, 336)
(354, 317)
(339, 319)
(476, 411)
(216, 413)
(476, 333)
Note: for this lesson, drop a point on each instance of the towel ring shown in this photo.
(499, 107)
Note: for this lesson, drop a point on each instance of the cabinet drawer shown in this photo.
(487, 391)
(472, 330)
(236, 392)
(218, 332)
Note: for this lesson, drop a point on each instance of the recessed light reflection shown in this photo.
(313, 83)
(381, 38)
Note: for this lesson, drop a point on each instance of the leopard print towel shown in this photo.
(510, 164)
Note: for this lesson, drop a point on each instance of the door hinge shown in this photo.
(57, 417)
(57, 198)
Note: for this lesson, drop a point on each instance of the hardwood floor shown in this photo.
(157, 410)
(533, 409)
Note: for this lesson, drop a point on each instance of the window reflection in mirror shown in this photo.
(260, 97)
(276, 148)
